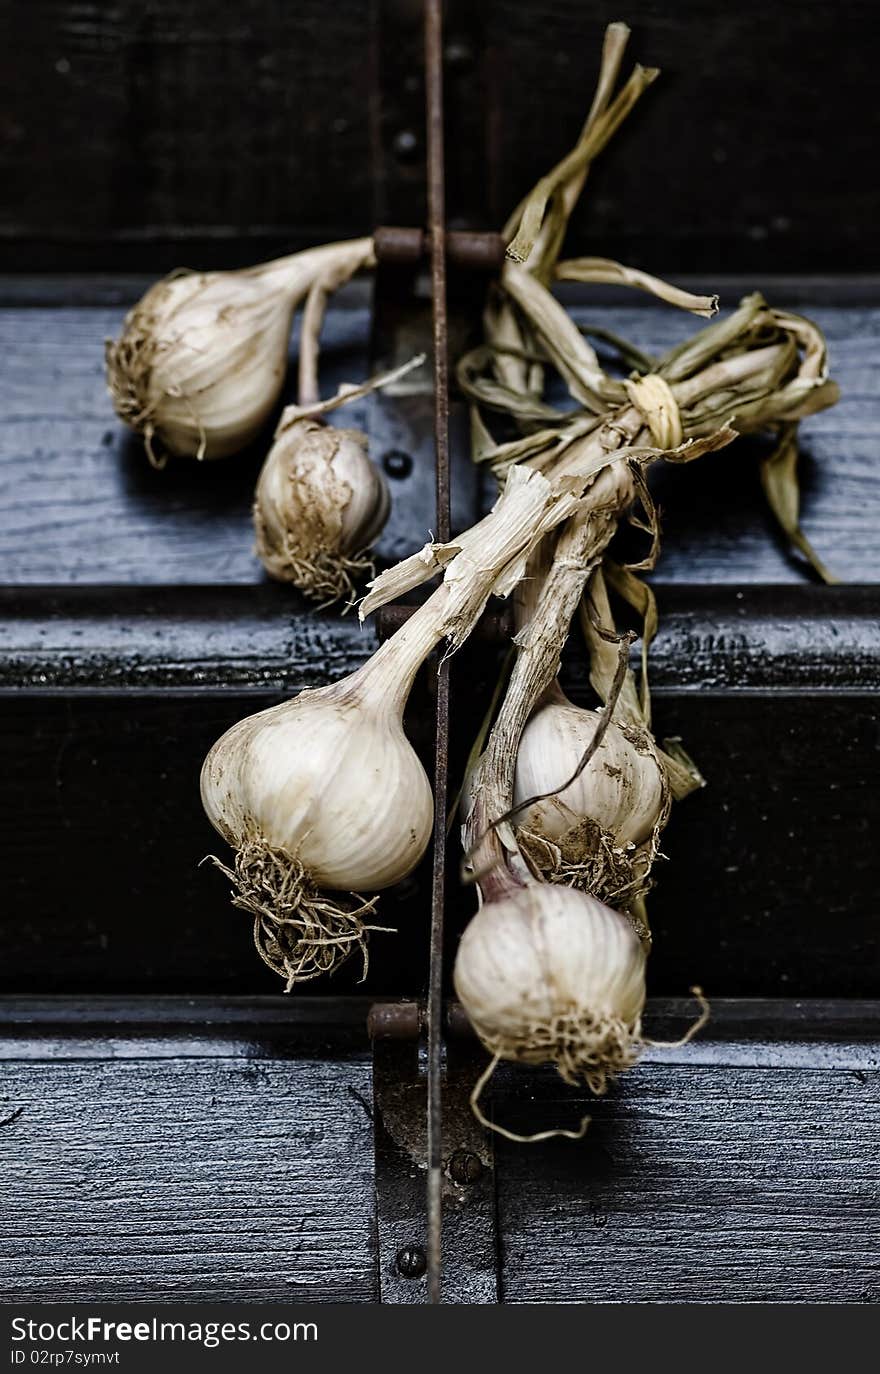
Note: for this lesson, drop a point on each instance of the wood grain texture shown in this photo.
(239, 122)
(724, 1183)
(214, 1179)
(196, 639)
(741, 155)
(80, 503)
(128, 129)
(156, 1149)
(68, 468)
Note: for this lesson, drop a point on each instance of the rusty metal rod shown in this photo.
(437, 228)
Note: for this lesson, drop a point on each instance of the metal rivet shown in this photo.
(405, 145)
(465, 1167)
(397, 463)
(411, 1262)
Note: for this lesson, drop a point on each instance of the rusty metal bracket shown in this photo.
(468, 249)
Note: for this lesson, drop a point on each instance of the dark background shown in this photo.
(756, 150)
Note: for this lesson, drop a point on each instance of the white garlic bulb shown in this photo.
(548, 974)
(319, 504)
(601, 831)
(322, 793)
(621, 788)
(202, 357)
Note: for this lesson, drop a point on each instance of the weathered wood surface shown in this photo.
(222, 1178)
(196, 639)
(193, 1149)
(243, 121)
(68, 468)
(256, 126)
(711, 1183)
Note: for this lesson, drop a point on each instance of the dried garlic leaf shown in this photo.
(780, 482)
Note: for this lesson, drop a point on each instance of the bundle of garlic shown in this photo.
(324, 794)
(550, 973)
(561, 792)
(546, 974)
(202, 357)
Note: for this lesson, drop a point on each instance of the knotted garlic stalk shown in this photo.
(202, 357)
(324, 793)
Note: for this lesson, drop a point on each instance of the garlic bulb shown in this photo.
(202, 357)
(323, 792)
(547, 974)
(601, 831)
(319, 504)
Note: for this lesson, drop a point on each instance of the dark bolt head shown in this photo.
(411, 1261)
(465, 1167)
(397, 463)
(405, 145)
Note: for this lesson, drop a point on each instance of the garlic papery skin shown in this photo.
(202, 357)
(601, 832)
(321, 794)
(319, 504)
(548, 974)
(622, 787)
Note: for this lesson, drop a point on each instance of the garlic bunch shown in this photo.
(600, 832)
(202, 357)
(548, 974)
(319, 504)
(325, 793)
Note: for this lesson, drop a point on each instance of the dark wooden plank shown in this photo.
(189, 1180)
(245, 123)
(102, 832)
(266, 126)
(194, 639)
(210, 1149)
(741, 155)
(68, 467)
(119, 899)
(724, 1182)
